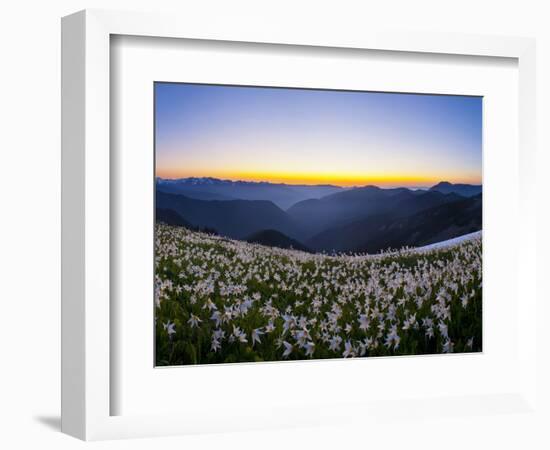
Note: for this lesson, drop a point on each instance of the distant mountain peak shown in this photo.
(212, 180)
(447, 183)
(465, 190)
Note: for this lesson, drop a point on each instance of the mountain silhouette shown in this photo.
(233, 218)
(171, 217)
(363, 219)
(314, 216)
(390, 230)
(466, 190)
(274, 238)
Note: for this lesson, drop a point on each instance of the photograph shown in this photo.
(298, 223)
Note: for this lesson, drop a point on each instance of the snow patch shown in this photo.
(449, 242)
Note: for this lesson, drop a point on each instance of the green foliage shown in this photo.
(199, 274)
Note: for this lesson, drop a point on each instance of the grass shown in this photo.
(212, 293)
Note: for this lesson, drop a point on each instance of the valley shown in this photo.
(323, 218)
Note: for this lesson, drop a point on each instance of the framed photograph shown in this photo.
(251, 218)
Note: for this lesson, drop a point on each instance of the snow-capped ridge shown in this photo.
(449, 242)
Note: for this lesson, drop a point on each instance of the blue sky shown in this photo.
(316, 136)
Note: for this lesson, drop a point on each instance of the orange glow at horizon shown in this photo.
(338, 179)
(304, 136)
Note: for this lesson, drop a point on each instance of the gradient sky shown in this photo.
(316, 136)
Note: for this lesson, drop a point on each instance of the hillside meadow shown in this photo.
(219, 300)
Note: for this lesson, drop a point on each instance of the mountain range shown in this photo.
(395, 230)
(316, 215)
(283, 195)
(233, 218)
(321, 218)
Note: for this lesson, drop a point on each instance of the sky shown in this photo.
(312, 136)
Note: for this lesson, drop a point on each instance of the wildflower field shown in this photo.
(224, 301)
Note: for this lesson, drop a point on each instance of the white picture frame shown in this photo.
(87, 386)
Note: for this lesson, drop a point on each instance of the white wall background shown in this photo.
(30, 221)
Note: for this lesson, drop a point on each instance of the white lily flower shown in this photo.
(309, 348)
(170, 328)
(348, 350)
(215, 345)
(210, 305)
(239, 334)
(363, 322)
(334, 343)
(288, 349)
(255, 335)
(194, 321)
